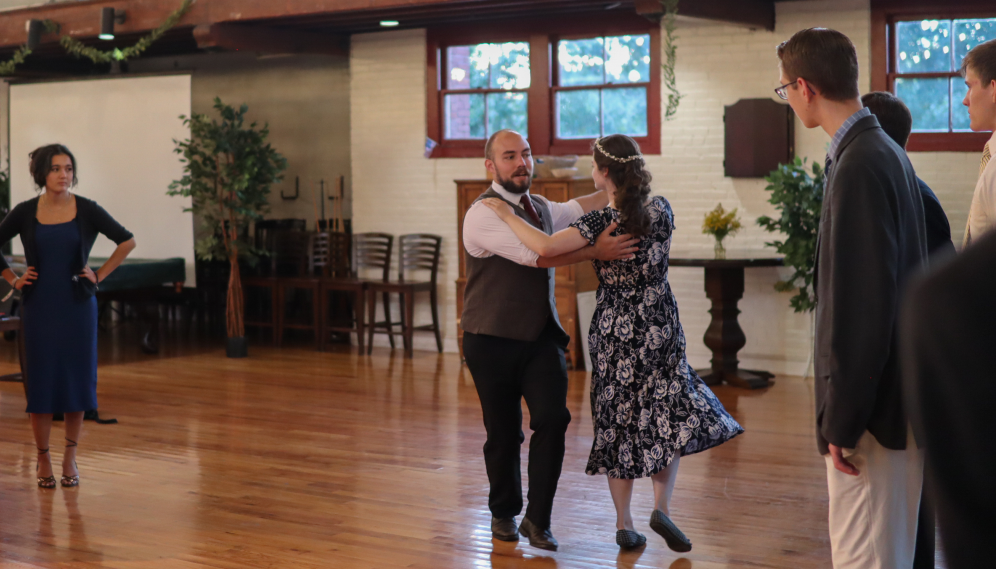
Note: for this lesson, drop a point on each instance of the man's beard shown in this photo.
(510, 184)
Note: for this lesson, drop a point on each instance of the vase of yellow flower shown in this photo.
(719, 223)
(719, 250)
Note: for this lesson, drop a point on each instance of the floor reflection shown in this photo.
(62, 533)
(82, 549)
(517, 559)
(627, 559)
(303, 459)
(681, 563)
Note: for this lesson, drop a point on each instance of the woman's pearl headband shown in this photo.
(598, 147)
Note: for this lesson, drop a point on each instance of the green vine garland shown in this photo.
(78, 49)
(8, 67)
(670, 56)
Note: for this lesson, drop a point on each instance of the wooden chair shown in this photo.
(330, 256)
(292, 266)
(372, 251)
(418, 252)
(277, 261)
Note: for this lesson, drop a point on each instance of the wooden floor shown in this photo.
(295, 458)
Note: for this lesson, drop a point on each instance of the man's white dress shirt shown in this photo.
(485, 234)
(982, 214)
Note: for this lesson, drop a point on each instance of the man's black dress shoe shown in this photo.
(504, 529)
(541, 538)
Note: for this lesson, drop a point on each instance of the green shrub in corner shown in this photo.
(797, 192)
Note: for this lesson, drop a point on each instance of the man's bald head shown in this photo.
(510, 160)
(489, 148)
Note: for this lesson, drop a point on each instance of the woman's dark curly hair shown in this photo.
(620, 154)
(41, 162)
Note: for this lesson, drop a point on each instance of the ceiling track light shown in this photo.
(109, 17)
(389, 23)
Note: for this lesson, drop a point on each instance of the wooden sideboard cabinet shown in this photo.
(570, 280)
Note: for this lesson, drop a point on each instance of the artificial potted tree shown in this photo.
(797, 193)
(228, 168)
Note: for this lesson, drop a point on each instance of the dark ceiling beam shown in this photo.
(241, 37)
(82, 19)
(503, 10)
(751, 13)
(929, 6)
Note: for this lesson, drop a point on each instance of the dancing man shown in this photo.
(513, 341)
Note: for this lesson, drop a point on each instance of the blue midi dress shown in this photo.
(60, 332)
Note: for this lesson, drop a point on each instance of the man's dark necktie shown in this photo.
(826, 169)
(527, 204)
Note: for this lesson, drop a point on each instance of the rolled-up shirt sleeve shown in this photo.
(485, 234)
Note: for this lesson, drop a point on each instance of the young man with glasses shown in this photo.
(871, 240)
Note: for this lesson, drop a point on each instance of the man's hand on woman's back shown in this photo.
(614, 248)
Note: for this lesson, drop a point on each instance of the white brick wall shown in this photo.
(397, 190)
(717, 66)
(305, 101)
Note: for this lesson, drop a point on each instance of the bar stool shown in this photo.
(418, 252)
(332, 250)
(292, 246)
(372, 251)
(281, 259)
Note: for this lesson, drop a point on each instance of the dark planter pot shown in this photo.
(237, 347)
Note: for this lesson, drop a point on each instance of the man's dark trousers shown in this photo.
(505, 371)
(939, 247)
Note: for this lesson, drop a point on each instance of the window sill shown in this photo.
(455, 151)
(948, 141)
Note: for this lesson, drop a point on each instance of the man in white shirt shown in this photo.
(513, 341)
(979, 70)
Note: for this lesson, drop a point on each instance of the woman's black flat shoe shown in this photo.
(629, 539)
(670, 532)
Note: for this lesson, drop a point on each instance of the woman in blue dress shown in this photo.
(59, 312)
(649, 408)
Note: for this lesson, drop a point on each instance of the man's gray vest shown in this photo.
(506, 299)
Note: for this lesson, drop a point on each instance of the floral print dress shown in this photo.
(647, 405)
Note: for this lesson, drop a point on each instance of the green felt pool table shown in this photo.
(136, 274)
(142, 283)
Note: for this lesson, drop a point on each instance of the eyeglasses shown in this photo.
(782, 91)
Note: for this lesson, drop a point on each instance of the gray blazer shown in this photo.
(871, 240)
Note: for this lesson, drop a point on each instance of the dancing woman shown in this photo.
(648, 406)
(58, 229)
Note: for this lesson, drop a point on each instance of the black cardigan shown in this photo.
(91, 218)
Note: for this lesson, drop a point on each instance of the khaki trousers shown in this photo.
(873, 516)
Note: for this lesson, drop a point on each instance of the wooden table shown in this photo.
(724, 285)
